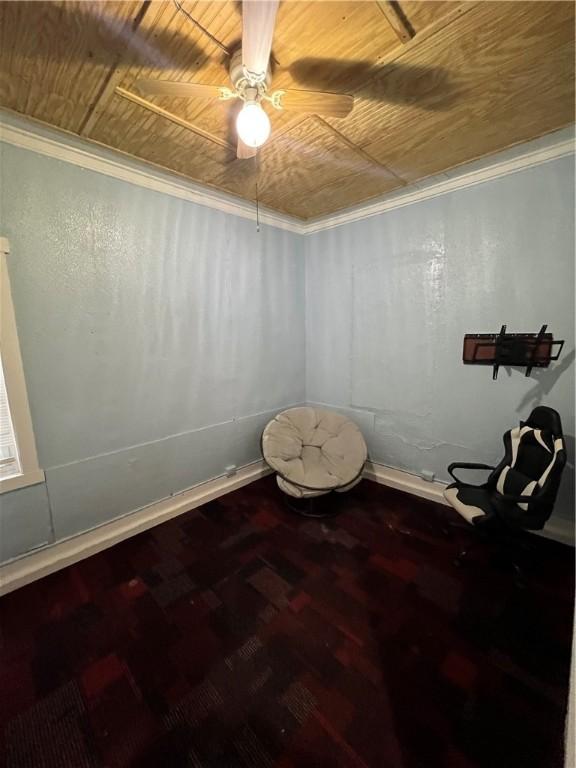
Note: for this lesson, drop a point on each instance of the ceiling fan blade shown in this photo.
(429, 87)
(316, 102)
(258, 19)
(186, 90)
(243, 151)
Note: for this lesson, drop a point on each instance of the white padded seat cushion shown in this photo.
(313, 448)
(296, 491)
(467, 511)
(305, 493)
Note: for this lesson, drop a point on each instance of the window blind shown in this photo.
(9, 463)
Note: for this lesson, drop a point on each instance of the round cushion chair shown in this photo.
(314, 452)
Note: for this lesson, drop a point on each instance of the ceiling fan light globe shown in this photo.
(253, 125)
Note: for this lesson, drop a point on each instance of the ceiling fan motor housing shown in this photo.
(244, 86)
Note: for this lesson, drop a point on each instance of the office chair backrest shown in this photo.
(531, 468)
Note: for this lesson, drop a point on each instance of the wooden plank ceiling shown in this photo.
(436, 84)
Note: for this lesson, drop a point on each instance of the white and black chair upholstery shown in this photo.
(520, 492)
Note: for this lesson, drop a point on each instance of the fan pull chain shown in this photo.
(257, 210)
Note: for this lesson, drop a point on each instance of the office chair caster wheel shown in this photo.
(460, 559)
(519, 577)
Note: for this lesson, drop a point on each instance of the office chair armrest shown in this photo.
(466, 465)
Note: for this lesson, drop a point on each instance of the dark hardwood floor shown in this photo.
(241, 635)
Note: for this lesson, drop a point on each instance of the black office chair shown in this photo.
(520, 492)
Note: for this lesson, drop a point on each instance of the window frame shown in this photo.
(30, 472)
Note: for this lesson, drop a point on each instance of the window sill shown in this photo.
(22, 481)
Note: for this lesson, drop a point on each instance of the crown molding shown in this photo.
(60, 148)
(150, 177)
(495, 170)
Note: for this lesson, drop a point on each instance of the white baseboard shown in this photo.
(404, 481)
(557, 529)
(34, 565)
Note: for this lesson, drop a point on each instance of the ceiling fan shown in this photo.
(250, 77)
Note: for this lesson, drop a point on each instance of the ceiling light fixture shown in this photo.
(251, 80)
(253, 124)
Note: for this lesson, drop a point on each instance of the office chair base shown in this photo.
(450, 526)
(502, 556)
(461, 558)
(464, 555)
(519, 577)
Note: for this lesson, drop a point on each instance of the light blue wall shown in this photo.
(25, 522)
(390, 298)
(158, 337)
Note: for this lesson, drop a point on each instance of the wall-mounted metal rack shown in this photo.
(533, 350)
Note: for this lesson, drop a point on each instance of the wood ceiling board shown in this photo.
(173, 48)
(293, 165)
(397, 19)
(133, 129)
(186, 54)
(353, 30)
(55, 57)
(359, 74)
(422, 14)
(170, 46)
(172, 117)
(312, 39)
(476, 78)
(535, 79)
(311, 29)
(373, 182)
(178, 35)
